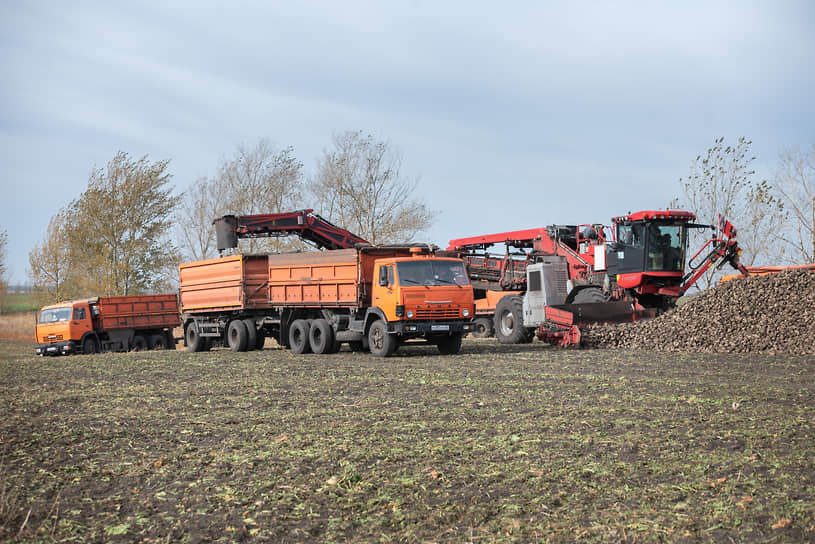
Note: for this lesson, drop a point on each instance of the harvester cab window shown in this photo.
(666, 248)
(632, 235)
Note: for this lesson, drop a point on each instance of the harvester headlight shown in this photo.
(465, 312)
(410, 314)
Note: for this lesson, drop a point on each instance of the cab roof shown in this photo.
(676, 215)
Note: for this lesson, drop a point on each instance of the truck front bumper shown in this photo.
(56, 348)
(422, 328)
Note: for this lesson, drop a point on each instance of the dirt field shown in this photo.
(497, 444)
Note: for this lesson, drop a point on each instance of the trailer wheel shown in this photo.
(139, 343)
(449, 345)
(89, 346)
(252, 334)
(482, 328)
(321, 337)
(298, 336)
(237, 335)
(194, 340)
(380, 342)
(509, 321)
(158, 341)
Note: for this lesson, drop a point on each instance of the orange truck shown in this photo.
(108, 324)
(369, 297)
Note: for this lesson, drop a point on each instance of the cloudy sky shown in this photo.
(512, 115)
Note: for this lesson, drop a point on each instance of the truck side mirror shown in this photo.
(383, 276)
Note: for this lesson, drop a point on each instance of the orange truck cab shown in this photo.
(62, 327)
(107, 324)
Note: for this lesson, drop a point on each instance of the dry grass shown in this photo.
(18, 326)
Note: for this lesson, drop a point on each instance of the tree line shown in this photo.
(128, 231)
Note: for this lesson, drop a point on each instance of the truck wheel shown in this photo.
(139, 343)
(158, 341)
(380, 342)
(509, 321)
(252, 334)
(482, 328)
(298, 336)
(321, 337)
(237, 335)
(194, 341)
(89, 346)
(260, 339)
(449, 345)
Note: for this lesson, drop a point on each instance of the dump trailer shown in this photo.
(633, 269)
(369, 297)
(108, 324)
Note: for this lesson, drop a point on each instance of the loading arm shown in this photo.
(303, 223)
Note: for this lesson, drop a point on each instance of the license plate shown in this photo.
(439, 327)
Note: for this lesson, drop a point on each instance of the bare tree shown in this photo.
(198, 207)
(359, 186)
(720, 183)
(261, 180)
(50, 267)
(118, 228)
(795, 183)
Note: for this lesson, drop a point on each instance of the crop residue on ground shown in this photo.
(498, 444)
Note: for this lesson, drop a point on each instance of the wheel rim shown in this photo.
(377, 338)
(507, 323)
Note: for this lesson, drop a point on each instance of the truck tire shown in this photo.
(252, 334)
(482, 328)
(380, 342)
(260, 339)
(509, 321)
(237, 335)
(298, 336)
(449, 345)
(158, 341)
(321, 337)
(139, 343)
(90, 346)
(195, 342)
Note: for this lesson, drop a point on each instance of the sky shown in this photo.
(511, 115)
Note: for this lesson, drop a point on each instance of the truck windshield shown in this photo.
(430, 272)
(55, 315)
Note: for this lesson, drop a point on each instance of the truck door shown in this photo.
(384, 291)
(80, 321)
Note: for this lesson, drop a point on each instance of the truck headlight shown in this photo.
(410, 314)
(465, 312)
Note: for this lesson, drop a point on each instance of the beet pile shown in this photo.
(772, 314)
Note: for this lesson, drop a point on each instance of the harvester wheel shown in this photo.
(590, 295)
(252, 334)
(449, 345)
(321, 337)
(237, 335)
(298, 336)
(509, 321)
(380, 342)
(482, 328)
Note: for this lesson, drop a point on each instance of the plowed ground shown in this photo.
(496, 444)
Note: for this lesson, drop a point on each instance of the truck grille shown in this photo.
(51, 338)
(438, 313)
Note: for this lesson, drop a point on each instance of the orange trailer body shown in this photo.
(237, 282)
